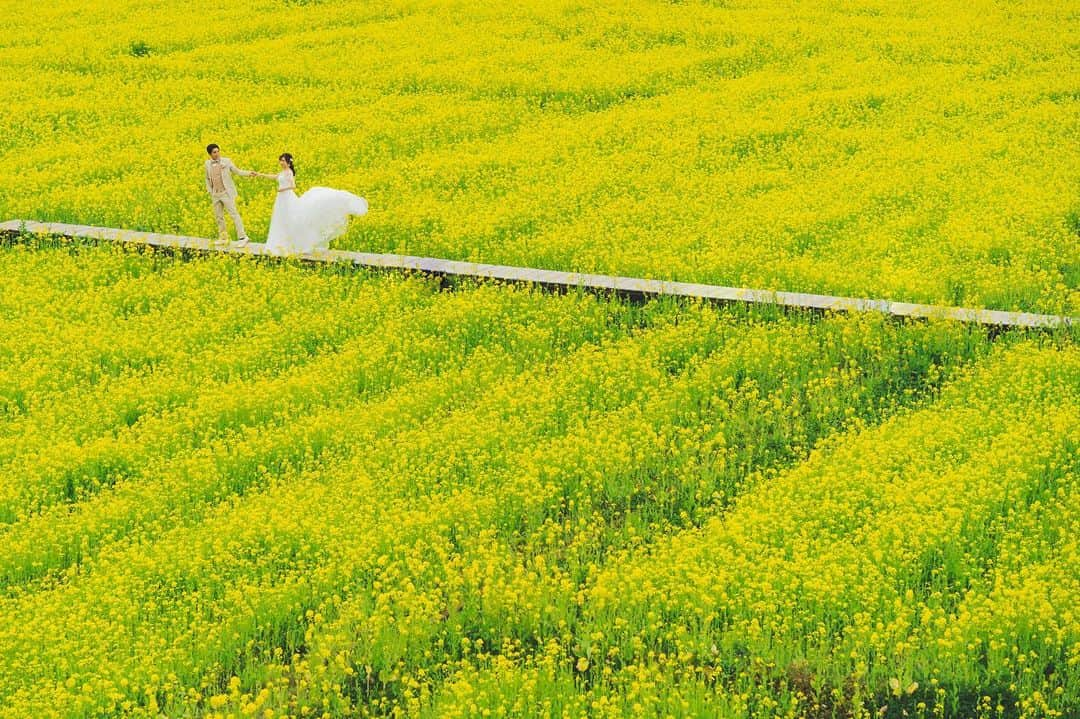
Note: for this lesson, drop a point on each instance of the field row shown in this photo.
(233, 486)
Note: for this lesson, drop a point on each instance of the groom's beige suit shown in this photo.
(222, 189)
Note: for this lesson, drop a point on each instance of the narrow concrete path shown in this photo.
(629, 286)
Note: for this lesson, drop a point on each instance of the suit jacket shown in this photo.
(228, 169)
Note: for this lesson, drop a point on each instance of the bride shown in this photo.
(305, 223)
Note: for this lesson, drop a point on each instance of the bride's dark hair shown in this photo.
(288, 158)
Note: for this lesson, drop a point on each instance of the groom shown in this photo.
(219, 183)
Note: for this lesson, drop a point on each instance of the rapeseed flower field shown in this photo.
(920, 152)
(237, 487)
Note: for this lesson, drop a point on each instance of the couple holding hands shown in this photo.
(299, 223)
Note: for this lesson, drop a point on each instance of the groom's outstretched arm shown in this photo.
(238, 171)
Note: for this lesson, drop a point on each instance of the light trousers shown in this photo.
(224, 203)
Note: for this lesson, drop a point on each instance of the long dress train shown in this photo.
(303, 223)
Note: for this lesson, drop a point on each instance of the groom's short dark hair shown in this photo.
(210, 148)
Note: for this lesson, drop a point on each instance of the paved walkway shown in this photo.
(629, 286)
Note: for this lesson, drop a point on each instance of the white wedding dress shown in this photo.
(308, 222)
